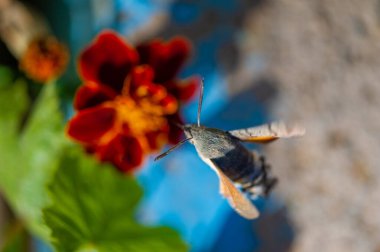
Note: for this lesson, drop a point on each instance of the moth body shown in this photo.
(210, 142)
(241, 172)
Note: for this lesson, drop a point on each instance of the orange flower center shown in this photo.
(138, 118)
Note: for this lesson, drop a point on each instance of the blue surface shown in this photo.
(137, 13)
(183, 192)
(180, 190)
(184, 13)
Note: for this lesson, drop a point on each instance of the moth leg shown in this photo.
(265, 167)
(268, 182)
(264, 183)
(269, 185)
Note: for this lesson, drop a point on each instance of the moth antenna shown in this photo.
(200, 103)
(171, 149)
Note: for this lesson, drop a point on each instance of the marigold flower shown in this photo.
(130, 98)
(27, 35)
(45, 59)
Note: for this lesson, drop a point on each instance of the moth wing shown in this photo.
(268, 132)
(236, 198)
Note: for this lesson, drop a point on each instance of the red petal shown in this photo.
(183, 90)
(169, 104)
(140, 76)
(89, 125)
(166, 58)
(141, 86)
(158, 139)
(153, 142)
(188, 88)
(108, 60)
(91, 94)
(124, 152)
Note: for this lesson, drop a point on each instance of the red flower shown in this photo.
(130, 98)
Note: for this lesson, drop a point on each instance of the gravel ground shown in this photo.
(324, 58)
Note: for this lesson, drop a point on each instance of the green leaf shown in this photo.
(29, 151)
(6, 76)
(93, 210)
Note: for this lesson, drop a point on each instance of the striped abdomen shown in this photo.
(248, 170)
(239, 164)
(229, 156)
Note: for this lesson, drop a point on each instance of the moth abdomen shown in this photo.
(239, 164)
(250, 172)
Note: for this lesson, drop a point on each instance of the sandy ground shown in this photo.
(324, 58)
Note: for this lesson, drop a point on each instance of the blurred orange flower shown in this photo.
(45, 59)
(130, 98)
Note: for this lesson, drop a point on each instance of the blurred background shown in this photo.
(311, 61)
